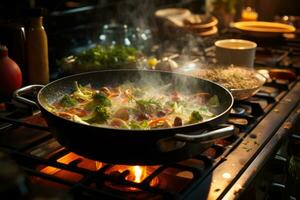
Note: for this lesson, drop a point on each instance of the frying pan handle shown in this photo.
(223, 132)
(26, 90)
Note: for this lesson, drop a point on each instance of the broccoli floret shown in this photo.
(195, 117)
(68, 101)
(102, 99)
(100, 114)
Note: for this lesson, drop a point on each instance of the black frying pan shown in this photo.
(134, 147)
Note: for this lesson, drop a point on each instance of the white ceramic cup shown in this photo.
(236, 52)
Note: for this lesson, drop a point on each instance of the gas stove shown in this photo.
(228, 169)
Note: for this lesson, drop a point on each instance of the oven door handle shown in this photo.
(30, 89)
(223, 132)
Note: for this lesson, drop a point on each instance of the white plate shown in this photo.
(264, 29)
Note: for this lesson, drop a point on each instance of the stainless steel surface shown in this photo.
(223, 132)
(242, 164)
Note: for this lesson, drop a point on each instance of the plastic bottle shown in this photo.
(37, 49)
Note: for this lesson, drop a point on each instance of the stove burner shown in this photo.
(134, 174)
(238, 110)
(238, 121)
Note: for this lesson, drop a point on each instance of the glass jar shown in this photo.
(121, 34)
(114, 34)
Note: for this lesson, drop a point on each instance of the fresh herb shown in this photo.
(148, 105)
(68, 101)
(147, 102)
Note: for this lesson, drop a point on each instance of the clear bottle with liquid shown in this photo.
(37, 49)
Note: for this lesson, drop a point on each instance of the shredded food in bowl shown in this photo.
(231, 77)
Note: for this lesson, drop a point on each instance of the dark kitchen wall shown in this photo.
(76, 24)
(73, 27)
(87, 18)
(267, 9)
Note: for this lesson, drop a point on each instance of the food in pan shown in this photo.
(127, 106)
(100, 57)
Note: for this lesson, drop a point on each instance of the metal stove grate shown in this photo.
(39, 149)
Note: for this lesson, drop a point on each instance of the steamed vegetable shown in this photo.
(99, 115)
(83, 93)
(67, 101)
(128, 107)
(139, 125)
(101, 99)
(195, 117)
(148, 105)
(213, 101)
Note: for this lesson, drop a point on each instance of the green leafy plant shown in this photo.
(100, 57)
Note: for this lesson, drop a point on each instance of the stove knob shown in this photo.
(277, 191)
(279, 164)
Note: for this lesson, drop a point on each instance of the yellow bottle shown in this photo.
(37, 51)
